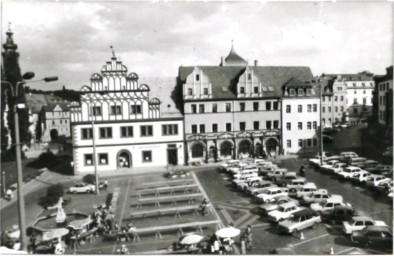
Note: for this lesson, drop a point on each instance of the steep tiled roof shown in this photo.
(51, 107)
(225, 78)
(353, 77)
(35, 101)
(234, 59)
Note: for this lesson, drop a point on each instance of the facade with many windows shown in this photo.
(334, 106)
(55, 121)
(300, 117)
(384, 86)
(233, 110)
(131, 128)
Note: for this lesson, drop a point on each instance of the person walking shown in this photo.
(248, 237)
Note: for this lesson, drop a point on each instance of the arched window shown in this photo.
(197, 150)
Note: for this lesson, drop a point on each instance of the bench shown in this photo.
(175, 227)
(151, 185)
(163, 199)
(171, 189)
(166, 211)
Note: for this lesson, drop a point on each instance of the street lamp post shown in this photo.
(321, 125)
(94, 153)
(21, 201)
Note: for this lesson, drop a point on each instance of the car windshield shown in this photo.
(370, 179)
(281, 209)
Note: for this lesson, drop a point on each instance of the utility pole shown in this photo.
(94, 153)
(321, 125)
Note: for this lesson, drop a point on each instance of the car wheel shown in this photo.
(283, 184)
(294, 233)
(314, 225)
(274, 179)
(319, 212)
(332, 222)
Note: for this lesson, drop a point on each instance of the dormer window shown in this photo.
(190, 91)
(242, 90)
(197, 77)
(249, 77)
(292, 92)
(300, 92)
(308, 91)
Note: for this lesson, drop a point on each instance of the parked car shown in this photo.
(356, 161)
(357, 223)
(267, 169)
(375, 180)
(388, 152)
(249, 182)
(270, 194)
(337, 167)
(277, 173)
(380, 169)
(307, 189)
(345, 125)
(328, 205)
(339, 214)
(82, 188)
(258, 187)
(370, 164)
(319, 196)
(286, 179)
(299, 221)
(265, 208)
(349, 154)
(297, 183)
(243, 169)
(245, 172)
(283, 212)
(383, 187)
(244, 178)
(359, 177)
(328, 164)
(348, 172)
(229, 163)
(374, 236)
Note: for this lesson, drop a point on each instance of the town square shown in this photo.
(196, 128)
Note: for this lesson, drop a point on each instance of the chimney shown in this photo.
(222, 61)
(256, 63)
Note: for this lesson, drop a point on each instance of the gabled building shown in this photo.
(384, 93)
(130, 127)
(55, 121)
(234, 110)
(334, 106)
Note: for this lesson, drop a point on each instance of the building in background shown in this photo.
(384, 93)
(334, 107)
(300, 116)
(131, 128)
(55, 121)
(234, 110)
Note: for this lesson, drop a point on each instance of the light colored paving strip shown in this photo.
(348, 249)
(309, 240)
(243, 218)
(122, 211)
(226, 215)
(261, 225)
(236, 207)
(250, 221)
(212, 208)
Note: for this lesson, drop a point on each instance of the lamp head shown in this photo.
(28, 75)
(51, 78)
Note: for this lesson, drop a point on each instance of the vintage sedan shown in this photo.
(265, 208)
(283, 212)
(82, 188)
(270, 194)
(328, 205)
(319, 196)
(357, 223)
(259, 187)
(299, 221)
(375, 236)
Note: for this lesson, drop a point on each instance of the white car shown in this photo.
(328, 165)
(357, 223)
(264, 170)
(235, 167)
(249, 182)
(269, 194)
(319, 196)
(229, 163)
(359, 177)
(283, 212)
(244, 178)
(375, 180)
(349, 154)
(245, 172)
(337, 168)
(348, 172)
(259, 187)
(277, 173)
(82, 188)
(328, 205)
(244, 169)
(307, 189)
(296, 183)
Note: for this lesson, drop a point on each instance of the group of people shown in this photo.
(204, 206)
(103, 218)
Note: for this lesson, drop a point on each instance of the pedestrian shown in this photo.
(216, 246)
(249, 237)
(124, 249)
(302, 170)
(8, 194)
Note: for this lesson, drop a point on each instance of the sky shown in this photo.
(72, 40)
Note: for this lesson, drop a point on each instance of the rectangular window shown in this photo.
(268, 125)
(309, 108)
(299, 108)
(309, 125)
(292, 92)
(276, 124)
(96, 111)
(300, 143)
(228, 127)
(242, 126)
(103, 158)
(324, 98)
(201, 108)
(288, 126)
(323, 120)
(146, 130)
(202, 128)
(268, 105)
(255, 106)
(116, 110)
(146, 156)
(190, 91)
(214, 107)
(355, 101)
(214, 127)
(256, 89)
(136, 109)
(194, 108)
(87, 133)
(329, 109)
(88, 159)
(299, 125)
(288, 109)
(242, 106)
(329, 98)
(249, 76)
(336, 109)
(288, 143)
(256, 125)
(314, 107)
(241, 89)
(126, 131)
(309, 142)
(276, 105)
(336, 98)
(194, 128)
(206, 91)
(341, 108)
(314, 125)
(314, 142)
(228, 107)
(105, 132)
(365, 100)
(308, 91)
(355, 92)
(300, 92)
(169, 129)
(323, 109)
(197, 77)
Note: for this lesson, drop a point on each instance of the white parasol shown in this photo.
(191, 239)
(54, 233)
(228, 232)
(4, 251)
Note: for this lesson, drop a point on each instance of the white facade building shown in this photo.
(383, 87)
(359, 89)
(300, 117)
(131, 129)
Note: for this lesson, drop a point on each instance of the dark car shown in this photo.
(283, 181)
(375, 236)
(339, 214)
(328, 139)
(380, 169)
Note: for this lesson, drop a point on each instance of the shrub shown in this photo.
(54, 192)
(89, 178)
(46, 159)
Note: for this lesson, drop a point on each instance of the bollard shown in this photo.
(302, 236)
(243, 247)
(332, 251)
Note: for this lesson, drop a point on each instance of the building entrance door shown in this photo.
(172, 154)
(124, 159)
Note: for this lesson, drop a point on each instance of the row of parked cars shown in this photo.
(295, 204)
(358, 170)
